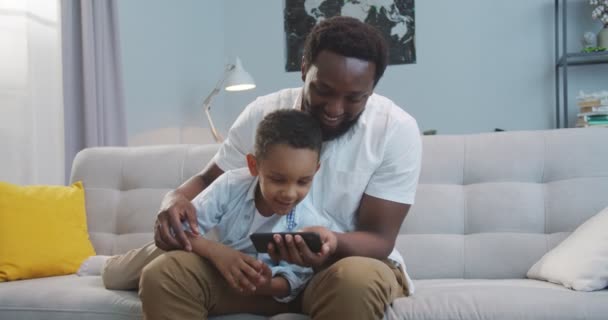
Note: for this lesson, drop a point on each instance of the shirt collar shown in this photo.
(251, 190)
(298, 103)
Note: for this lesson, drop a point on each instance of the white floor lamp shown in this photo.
(234, 78)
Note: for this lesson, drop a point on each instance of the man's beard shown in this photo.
(333, 133)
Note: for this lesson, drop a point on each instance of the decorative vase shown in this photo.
(602, 37)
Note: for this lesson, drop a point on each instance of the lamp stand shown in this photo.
(207, 103)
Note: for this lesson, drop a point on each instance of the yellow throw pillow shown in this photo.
(43, 231)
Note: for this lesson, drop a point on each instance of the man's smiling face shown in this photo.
(336, 89)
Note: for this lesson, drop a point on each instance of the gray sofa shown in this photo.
(487, 208)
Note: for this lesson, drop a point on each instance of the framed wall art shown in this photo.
(394, 18)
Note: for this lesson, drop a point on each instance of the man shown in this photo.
(369, 171)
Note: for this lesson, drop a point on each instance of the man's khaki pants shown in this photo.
(183, 285)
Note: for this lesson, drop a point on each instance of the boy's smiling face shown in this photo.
(285, 177)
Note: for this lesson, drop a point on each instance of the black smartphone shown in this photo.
(261, 240)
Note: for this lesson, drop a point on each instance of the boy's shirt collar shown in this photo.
(251, 190)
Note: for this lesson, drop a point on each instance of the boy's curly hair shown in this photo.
(292, 127)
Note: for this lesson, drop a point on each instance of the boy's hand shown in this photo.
(294, 249)
(263, 285)
(242, 272)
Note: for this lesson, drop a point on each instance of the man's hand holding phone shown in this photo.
(293, 249)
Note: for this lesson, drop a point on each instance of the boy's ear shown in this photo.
(252, 164)
(318, 166)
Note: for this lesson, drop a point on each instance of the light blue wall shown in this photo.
(481, 64)
(172, 58)
(258, 39)
(475, 71)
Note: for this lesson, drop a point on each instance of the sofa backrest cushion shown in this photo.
(124, 188)
(490, 205)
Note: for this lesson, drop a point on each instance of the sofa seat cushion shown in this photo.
(66, 297)
(498, 299)
(73, 297)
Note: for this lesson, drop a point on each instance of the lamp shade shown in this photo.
(234, 78)
(238, 79)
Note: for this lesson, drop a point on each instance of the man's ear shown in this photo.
(318, 166)
(252, 164)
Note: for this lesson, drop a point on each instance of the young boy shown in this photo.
(268, 196)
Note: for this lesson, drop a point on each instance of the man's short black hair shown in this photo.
(347, 37)
(292, 127)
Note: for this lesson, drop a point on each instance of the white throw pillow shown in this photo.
(580, 262)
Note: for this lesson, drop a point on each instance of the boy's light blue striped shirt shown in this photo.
(228, 207)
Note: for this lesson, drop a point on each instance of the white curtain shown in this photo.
(31, 106)
(92, 73)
